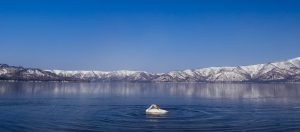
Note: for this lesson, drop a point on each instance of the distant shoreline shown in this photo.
(283, 71)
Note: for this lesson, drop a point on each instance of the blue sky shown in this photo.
(151, 35)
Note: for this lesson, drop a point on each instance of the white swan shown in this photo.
(154, 109)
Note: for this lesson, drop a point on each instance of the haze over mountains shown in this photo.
(283, 71)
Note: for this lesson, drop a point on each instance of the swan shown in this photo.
(154, 109)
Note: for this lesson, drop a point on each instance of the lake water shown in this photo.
(64, 106)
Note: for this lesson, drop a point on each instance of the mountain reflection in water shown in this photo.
(205, 90)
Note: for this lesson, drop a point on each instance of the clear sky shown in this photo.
(150, 35)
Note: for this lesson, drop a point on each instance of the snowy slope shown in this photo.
(122, 75)
(288, 70)
(276, 71)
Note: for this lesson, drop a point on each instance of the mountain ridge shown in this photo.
(283, 71)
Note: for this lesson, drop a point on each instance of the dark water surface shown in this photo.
(54, 106)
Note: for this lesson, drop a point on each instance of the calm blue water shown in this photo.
(54, 106)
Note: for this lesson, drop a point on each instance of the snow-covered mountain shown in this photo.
(122, 75)
(288, 70)
(277, 71)
(19, 73)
